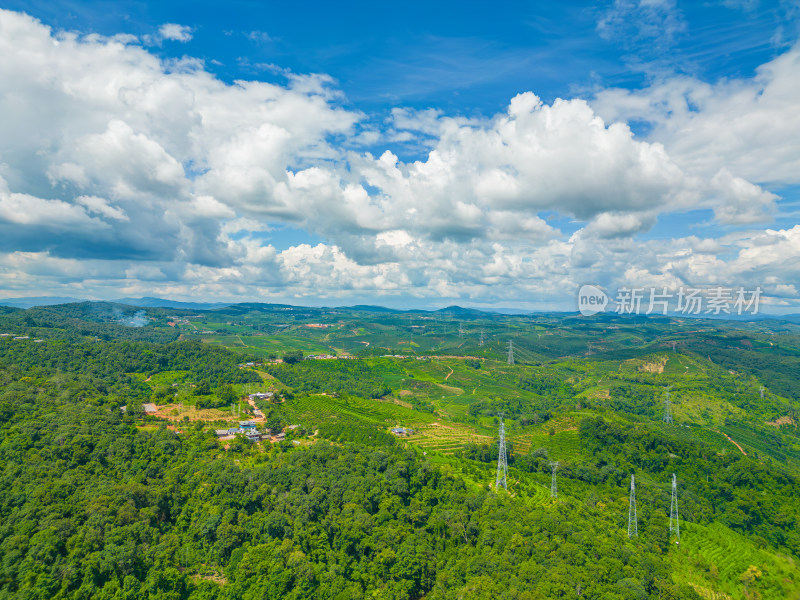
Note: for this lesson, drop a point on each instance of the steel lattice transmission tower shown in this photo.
(667, 410)
(481, 342)
(553, 484)
(460, 330)
(511, 352)
(502, 463)
(633, 522)
(674, 524)
(761, 391)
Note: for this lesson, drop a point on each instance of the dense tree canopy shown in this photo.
(100, 503)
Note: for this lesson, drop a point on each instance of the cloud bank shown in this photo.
(122, 173)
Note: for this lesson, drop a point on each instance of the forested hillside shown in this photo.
(94, 508)
(97, 502)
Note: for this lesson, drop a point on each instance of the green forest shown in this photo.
(99, 502)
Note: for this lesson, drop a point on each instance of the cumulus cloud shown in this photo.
(258, 36)
(175, 32)
(751, 127)
(611, 225)
(769, 259)
(158, 153)
(534, 157)
(26, 210)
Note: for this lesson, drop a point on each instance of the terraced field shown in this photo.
(538, 495)
(318, 409)
(714, 558)
(447, 437)
(699, 434)
(562, 445)
(263, 345)
(482, 475)
(752, 442)
(430, 434)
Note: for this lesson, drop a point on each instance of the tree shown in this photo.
(292, 356)
(135, 408)
(749, 577)
(227, 394)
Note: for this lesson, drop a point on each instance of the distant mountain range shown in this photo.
(37, 301)
(466, 312)
(146, 302)
(163, 303)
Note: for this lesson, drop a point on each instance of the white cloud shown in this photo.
(611, 225)
(161, 143)
(24, 209)
(258, 36)
(100, 206)
(751, 127)
(742, 202)
(653, 22)
(175, 32)
(127, 163)
(744, 5)
(535, 157)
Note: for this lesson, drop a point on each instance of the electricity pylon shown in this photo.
(674, 525)
(633, 522)
(511, 352)
(502, 463)
(553, 484)
(481, 342)
(761, 391)
(460, 330)
(667, 409)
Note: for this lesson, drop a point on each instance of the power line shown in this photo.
(502, 463)
(667, 410)
(525, 354)
(674, 525)
(633, 522)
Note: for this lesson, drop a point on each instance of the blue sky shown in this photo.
(457, 56)
(414, 154)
